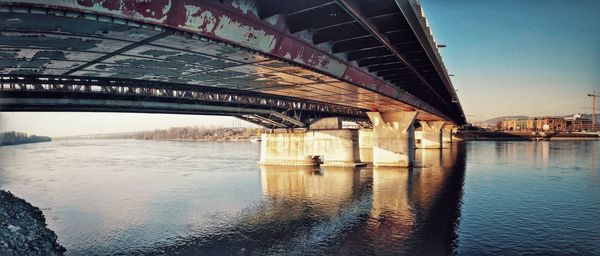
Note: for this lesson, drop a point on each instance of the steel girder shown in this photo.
(59, 93)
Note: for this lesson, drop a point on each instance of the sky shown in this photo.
(533, 57)
(521, 57)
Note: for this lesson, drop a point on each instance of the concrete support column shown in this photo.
(418, 138)
(365, 145)
(285, 148)
(335, 147)
(393, 138)
(455, 138)
(432, 134)
(447, 136)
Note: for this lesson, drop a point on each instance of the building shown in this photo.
(514, 124)
(577, 122)
(556, 124)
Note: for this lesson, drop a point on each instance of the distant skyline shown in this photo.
(533, 58)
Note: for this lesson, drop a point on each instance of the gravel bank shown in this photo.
(23, 229)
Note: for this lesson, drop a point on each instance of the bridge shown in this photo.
(280, 64)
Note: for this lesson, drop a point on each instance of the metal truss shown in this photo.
(273, 120)
(271, 111)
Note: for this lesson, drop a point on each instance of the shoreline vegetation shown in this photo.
(253, 134)
(181, 134)
(17, 138)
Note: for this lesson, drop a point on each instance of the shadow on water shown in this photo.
(344, 211)
(415, 211)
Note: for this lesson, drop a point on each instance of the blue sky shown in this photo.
(522, 57)
(534, 57)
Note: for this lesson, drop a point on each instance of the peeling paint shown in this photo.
(108, 4)
(158, 53)
(8, 54)
(356, 76)
(198, 20)
(273, 20)
(245, 6)
(62, 25)
(189, 15)
(301, 53)
(48, 42)
(388, 90)
(248, 36)
(155, 10)
(13, 20)
(222, 21)
(55, 55)
(20, 71)
(25, 64)
(189, 58)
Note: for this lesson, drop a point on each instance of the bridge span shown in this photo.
(279, 64)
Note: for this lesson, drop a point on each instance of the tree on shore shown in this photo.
(16, 138)
(198, 133)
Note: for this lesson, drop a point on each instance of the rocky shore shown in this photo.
(23, 229)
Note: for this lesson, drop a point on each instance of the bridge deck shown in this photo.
(364, 56)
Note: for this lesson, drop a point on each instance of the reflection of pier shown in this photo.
(414, 211)
(327, 188)
(345, 210)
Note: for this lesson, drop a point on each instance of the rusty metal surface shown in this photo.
(234, 44)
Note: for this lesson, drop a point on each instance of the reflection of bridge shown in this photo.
(346, 210)
(263, 61)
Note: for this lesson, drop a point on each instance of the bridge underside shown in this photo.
(52, 56)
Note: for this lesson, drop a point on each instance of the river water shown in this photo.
(106, 197)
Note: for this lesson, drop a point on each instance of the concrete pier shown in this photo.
(418, 138)
(454, 132)
(432, 134)
(393, 138)
(285, 148)
(334, 147)
(447, 136)
(365, 145)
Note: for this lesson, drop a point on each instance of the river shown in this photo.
(106, 197)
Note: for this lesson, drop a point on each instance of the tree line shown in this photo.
(180, 133)
(16, 138)
(198, 133)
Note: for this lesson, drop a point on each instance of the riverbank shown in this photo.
(512, 135)
(252, 139)
(18, 138)
(200, 134)
(23, 229)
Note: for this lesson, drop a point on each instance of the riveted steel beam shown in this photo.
(81, 87)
